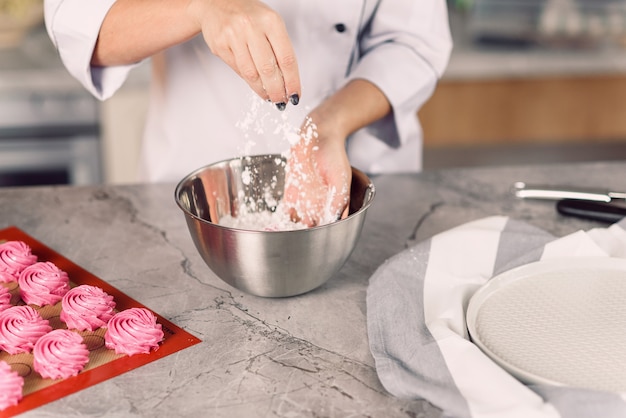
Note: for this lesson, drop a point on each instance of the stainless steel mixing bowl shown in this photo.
(265, 263)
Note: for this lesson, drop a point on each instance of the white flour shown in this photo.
(259, 116)
(263, 121)
(262, 221)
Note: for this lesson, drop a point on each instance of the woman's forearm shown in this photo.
(356, 105)
(137, 29)
(246, 34)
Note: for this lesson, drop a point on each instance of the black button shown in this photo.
(340, 27)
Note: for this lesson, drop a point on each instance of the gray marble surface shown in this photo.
(301, 356)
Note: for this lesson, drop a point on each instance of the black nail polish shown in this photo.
(340, 27)
(281, 106)
(294, 99)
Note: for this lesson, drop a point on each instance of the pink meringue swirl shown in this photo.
(43, 283)
(20, 328)
(87, 307)
(5, 298)
(133, 331)
(60, 354)
(15, 256)
(11, 384)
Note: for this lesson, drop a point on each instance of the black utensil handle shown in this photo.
(598, 211)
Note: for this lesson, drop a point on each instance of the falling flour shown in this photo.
(262, 121)
(268, 215)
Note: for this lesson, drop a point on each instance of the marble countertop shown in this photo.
(301, 356)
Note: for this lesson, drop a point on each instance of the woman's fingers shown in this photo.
(253, 40)
(316, 194)
(244, 65)
(286, 61)
(267, 69)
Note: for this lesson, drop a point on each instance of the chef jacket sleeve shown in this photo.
(403, 50)
(73, 27)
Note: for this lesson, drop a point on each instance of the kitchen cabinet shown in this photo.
(515, 110)
(526, 94)
(123, 119)
(49, 125)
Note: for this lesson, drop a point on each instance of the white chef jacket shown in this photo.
(201, 112)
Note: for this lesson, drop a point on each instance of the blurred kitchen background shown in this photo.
(529, 81)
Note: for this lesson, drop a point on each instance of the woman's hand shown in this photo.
(318, 176)
(246, 34)
(252, 39)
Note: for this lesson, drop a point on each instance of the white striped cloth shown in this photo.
(416, 304)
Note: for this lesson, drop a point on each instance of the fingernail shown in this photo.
(281, 106)
(294, 99)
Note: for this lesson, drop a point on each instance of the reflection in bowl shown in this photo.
(265, 263)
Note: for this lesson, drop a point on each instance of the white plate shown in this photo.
(560, 322)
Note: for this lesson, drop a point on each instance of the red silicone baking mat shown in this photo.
(103, 363)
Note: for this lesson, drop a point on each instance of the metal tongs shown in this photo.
(597, 204)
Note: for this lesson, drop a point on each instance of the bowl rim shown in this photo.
(177, 190)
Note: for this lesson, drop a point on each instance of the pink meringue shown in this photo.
(20, 328)
(60, 354)
(43, 283)
(87, 307)
(15, 256)
(5, 298)
(11, 384)
(133, 331)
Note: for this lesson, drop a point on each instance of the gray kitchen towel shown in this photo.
(416, 306)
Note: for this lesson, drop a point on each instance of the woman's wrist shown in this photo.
(356, 105)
